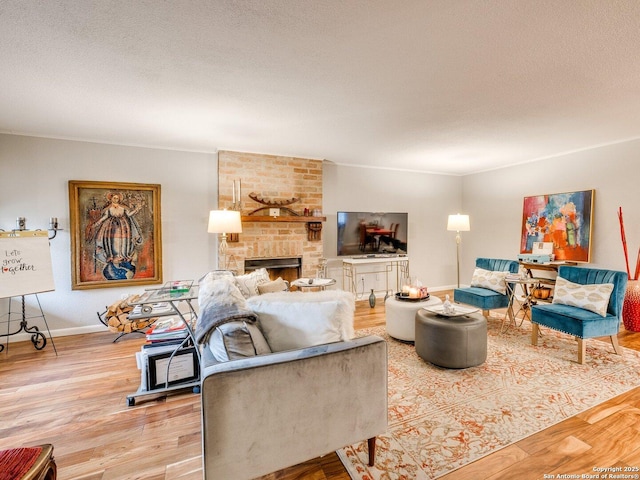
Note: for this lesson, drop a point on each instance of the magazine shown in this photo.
(167, 328)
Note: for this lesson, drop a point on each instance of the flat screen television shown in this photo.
(372, 233)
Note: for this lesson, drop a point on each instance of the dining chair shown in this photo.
(366, 239)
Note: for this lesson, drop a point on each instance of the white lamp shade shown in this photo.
(458, 223)
(224, 221)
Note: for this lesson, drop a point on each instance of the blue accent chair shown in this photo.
(579, 322)
(484, 298)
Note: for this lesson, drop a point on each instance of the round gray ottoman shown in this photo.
(451, 342)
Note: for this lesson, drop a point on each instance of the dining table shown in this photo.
(378, 231)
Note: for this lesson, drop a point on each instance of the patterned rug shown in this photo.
(441, 419)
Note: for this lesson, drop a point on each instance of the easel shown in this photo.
(26, 270)
(37, 337)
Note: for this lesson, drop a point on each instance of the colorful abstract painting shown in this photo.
(565, 219)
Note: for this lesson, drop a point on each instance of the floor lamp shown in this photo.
(224, 221)
(458, 223)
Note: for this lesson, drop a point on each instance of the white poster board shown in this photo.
(25, 263)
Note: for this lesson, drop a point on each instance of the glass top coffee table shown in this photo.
(319, 283)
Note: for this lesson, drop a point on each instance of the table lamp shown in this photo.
(458, 223)
(224, 221)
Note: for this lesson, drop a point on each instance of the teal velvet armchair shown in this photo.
(588, 320)
(484, 298)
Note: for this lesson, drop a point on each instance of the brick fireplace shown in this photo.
(273, 179)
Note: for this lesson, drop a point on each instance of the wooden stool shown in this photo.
(28, 463)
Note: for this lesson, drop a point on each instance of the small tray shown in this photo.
(460, 311)
(404, 298)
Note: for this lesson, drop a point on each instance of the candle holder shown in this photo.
(412, 289)
(21, 225)
(53, 227)
(236, 198)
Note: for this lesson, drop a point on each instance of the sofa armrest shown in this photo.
(265, 413)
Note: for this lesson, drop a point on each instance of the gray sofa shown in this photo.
(269, 412)
(265, 412)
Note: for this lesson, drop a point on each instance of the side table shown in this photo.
(523, 304)
(164, 302)
(400, 316)
(320, 283)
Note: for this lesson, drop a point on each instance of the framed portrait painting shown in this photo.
(116, 237)
(564, 219)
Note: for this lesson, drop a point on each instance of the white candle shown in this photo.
(239, 197)
(234, 192)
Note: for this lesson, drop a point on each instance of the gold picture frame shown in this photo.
(116, 235)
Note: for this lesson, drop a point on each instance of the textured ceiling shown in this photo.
(447, 86)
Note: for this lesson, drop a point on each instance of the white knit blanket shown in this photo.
(220, 301)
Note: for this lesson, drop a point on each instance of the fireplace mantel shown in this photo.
(314, 224)
(290, 218)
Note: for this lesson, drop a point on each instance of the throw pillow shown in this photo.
(239, 339)
(291, 320)
(277, 285)
(593, 297)
(492, 280)
(248, 283)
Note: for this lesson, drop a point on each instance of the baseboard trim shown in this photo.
(60, 332)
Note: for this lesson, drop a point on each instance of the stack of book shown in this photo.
(166, 329)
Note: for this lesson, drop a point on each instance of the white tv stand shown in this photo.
(369, 265)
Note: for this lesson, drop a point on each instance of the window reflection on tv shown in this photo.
(372, 233)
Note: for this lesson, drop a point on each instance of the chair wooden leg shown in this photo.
(485, 313)
(371, 444)
(616, 345)
(534, 333)
(582, 350)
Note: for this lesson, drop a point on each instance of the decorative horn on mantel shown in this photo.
(272, 203)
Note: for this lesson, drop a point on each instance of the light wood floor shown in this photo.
(77, 402)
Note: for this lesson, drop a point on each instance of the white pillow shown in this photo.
(278, 285)
(292, 320)
(248, 283)
(489, 279)
(593, 297)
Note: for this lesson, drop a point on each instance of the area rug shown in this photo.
(441, 419)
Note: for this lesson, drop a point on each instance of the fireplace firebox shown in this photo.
(288, 268)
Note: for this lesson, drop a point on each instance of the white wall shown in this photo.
(35, 172)
(494, 201)
(428, 199)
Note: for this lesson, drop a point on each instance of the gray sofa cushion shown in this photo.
(235, 340)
